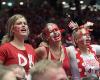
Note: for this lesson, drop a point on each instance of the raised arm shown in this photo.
(73, 63)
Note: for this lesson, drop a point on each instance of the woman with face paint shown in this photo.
(83, 56)
(13, 49)
(53, 50)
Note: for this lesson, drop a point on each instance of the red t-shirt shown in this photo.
(10, 55)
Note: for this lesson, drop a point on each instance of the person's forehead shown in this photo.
(61, 74)
(52, 26)
(20, 19)
(51, 74)
(54, 70)
(83, 31)
(61, 70)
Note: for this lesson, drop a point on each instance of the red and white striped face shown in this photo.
(84, 37)
(53, 32)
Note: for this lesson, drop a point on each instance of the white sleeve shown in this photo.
(73, 63)
(97, 48)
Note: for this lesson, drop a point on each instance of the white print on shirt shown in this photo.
(23, 61)
(90, 63)
(30, 60)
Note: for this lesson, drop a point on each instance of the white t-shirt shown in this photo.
(89, 62)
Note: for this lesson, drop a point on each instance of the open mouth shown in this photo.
(57, 36)
(23, 30)
(88, 41)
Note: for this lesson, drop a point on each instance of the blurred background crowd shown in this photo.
(62, 12)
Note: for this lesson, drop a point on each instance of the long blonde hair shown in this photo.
(9, 25)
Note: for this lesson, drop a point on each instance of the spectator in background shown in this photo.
(67, 39)
(48, 70)
(18, 71)
(13, 49)
(6, 73)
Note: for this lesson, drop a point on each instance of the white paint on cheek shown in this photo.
(52, 35)
(83, 31)
(84, 39)
(49, 27)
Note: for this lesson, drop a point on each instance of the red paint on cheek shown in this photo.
(87, 31)
(80, 35)
(46, 33)
(15, 28)
(80, 39)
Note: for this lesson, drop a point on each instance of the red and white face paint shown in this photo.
(20, 28)
(84, 37)
(54, 32)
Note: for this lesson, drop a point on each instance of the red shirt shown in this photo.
(11, 55)
(65, 61)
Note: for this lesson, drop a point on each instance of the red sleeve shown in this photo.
(3, 53)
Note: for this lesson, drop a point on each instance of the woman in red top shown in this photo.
(53, 49)
(13, 49)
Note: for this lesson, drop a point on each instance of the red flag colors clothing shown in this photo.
(64, 59)
(88, 64)
(10, 55)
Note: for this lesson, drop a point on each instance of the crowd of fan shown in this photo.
(37, 16)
